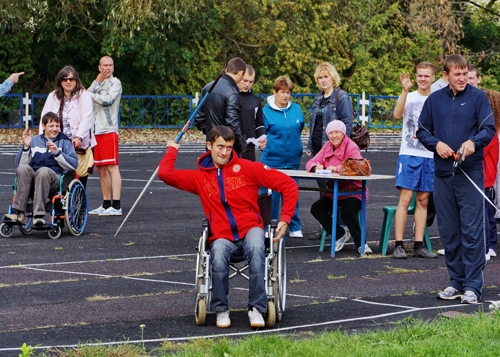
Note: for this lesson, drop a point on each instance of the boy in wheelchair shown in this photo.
(228, 189)
(40, 162)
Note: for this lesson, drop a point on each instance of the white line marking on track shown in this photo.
(383, 304)
(110, 276)
(239, 334)
(98, 261)
(294, 295)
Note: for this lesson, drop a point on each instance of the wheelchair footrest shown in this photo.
(46, 227)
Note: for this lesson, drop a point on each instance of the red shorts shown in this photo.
(106, 150)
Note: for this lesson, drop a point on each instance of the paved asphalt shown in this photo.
(98, 287)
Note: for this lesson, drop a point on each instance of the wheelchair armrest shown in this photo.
(274, 223)
(66, 179)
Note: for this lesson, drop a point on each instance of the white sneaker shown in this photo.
(339, 244)
(441, 251)
(97, 211)
(469, 297)
(223, 320)
(111, 212)
(368, 250)
(488, 256)
(256, 319)
(296, 234)
(492, 253)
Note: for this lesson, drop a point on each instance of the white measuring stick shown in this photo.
(480, 190)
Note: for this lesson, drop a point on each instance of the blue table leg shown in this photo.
(363, 217)
(334, 215)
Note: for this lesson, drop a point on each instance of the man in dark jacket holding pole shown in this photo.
(222, 106)
(456, 123)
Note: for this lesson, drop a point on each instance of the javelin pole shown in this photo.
(177, 139)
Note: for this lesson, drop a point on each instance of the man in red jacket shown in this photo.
(228, 190)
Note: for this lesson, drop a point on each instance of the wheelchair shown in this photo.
(68, 207)
(274, 272)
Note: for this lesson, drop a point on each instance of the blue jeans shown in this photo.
(252, 248)
(295, 224)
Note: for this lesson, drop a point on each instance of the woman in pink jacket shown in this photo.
(331, 156)
(74, 106)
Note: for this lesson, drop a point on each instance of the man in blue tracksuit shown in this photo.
(458, 119)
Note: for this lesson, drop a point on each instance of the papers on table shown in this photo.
(323, 172)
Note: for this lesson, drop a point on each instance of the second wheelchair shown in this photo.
(67, 207)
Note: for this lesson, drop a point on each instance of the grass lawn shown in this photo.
(473, 335)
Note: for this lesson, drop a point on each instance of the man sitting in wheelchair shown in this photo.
(40, 162)
(228, 189)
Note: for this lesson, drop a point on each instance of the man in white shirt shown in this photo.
(415, 167)
(106, 92)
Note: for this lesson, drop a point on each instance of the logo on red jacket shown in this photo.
(236, 168)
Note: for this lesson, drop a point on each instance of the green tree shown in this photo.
(481, 38)
(176, 47)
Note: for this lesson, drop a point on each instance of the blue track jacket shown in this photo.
(37, 155)
(283, 128)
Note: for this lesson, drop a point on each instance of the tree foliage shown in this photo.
(176, 47)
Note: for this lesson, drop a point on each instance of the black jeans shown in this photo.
(322, 211)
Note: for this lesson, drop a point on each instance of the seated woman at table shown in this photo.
(330, 157)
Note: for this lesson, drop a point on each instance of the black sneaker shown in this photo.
(399, 253)
(424, 253)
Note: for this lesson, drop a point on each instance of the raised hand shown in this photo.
(406, 82)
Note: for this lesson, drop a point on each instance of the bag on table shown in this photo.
(356, 167)
(85, 161)
(361, 136)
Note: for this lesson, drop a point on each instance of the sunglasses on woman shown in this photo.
(71, 79)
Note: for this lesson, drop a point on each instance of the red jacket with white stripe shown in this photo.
(229, 194)
(490, 162)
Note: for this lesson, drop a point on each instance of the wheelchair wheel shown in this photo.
(6, 230)
(77, 208)
(271, 314)
(201, 312)
(27, 228)
(279, 287)
(55, 232)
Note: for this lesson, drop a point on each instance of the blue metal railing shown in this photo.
(11, 111)
(37, 103)
(160, 111)
(381, 112)
(172, 111)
